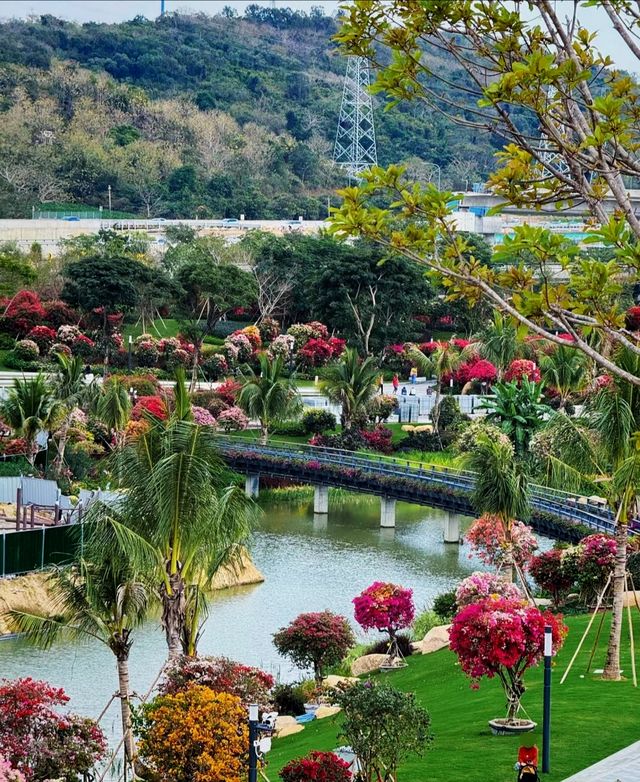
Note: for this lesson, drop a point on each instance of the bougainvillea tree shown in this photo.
(479, 586)
(317, 766)
(501, 637)
(385, 607)
(8, 774)
(488, 539)
(317, 640)
(548, 572)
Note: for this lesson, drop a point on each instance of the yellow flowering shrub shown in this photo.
(196, 735)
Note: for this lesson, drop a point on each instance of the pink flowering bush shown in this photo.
(82, 346)
(596, 555)
(378, 439)
(233, 419)
(8, 774)
(522, 368)
(549, 572)
(202, 416)
(147, 352)
(178, 359)
(337, 346)
(237, 348)
(500, 637)
(479, 586)
(282, 346)
(488, 541)
(384, 607)
(315, 640)
(67, 334)
(26, 350)
(60, 347)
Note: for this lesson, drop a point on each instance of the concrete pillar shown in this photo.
(452, 528)
(387, 512)
(320, 522)
(321, 499)
(252, 485)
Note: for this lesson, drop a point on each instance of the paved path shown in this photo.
(624, 766)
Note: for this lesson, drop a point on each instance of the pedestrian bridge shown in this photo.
(558, 514)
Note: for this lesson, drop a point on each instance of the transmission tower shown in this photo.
(355, 147)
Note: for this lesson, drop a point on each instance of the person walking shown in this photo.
(381, 384)
(396, 383)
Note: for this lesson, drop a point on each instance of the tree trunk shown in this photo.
(612, 664)
(264, 433)
(125, 707)
(435, 412)
(194, 368)
(62, 444)
(507, 562)
(173, 614)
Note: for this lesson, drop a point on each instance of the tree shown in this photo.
(16, 269)
(384, 607)
(317, 640)
(113, 407)
(70, 390)
(518, 409)
(565, 371)
(351, 383)
(101, 598)
(31, 408)
(267, 396)
(499, 342)
(500, 637)
(383, 726)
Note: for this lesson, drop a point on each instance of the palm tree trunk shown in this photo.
(62, 445)
(264, 433)
(194, 368)
(435, 412)
(173, 614)
(125, 706)
(612, 664)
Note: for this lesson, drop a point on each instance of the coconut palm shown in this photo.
(102, 599)
(30, 408)
(181, 517)
(565, 370)
(267, 396)
(113, 407)
(351, 383)
(500, 344)
(71, 390)
(501, 484)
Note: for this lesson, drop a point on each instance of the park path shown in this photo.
(624, 766)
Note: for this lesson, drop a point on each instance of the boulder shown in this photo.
(437, 638)
(287, 726)
(367, 663)
(326, 711)
(335, 681)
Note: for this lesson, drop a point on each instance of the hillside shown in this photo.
(185, 115)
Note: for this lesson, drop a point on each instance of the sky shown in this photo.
(594, 19)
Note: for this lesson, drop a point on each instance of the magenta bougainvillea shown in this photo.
(488, 539)
(384, 607)
(8, 774)
(480, 585)
(548, 572)
(316, 767)
(501, 637)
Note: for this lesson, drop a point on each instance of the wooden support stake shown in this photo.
(32, 516)
(633, 648)
(595, 643)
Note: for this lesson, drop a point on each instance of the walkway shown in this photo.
(624, 766)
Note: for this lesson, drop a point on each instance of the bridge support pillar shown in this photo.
(321, 499)
(452, 528)
(387, 512)
(252, 485)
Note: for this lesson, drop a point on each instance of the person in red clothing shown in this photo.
(395, 382)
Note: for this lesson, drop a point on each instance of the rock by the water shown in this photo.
(437, 638)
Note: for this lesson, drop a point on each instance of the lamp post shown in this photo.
(130, 358)
(546, 713)
(253, 737)
(109, 194)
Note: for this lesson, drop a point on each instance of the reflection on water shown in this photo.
(309, 562)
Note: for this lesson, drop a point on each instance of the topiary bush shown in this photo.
(287, 700)
(26, 350)
(317, 421)
(449, 413)
(445, 605)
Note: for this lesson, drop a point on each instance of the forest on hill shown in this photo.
(195, 115)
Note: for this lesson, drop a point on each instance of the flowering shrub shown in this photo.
(22, 313)
(548, 572)
(478, 370)
(68, 334)
(522, 368)
(215, 366)
(219, 674)
(337, 346)
(59, 347)
(82, 346)
(315, 353)
(633, 318)
(237, 348)
(252, 333)
(269, 329)
(26, 350)
(233, 419)
(147, 352)
(382, 406)
(38, 740)
(43, 336)
(8, 774)
(179, 358)
(14, 447)
(151, 405)
(202, 416)
(467, 440)
(301, 333)
(57, 313)
(282, 346)
(596, 556)
(228, 391)
(135, 429)
(378, 439)
(503, 638)
(317, 766)
(384, 607)
(196, 735)
(479, 586)
(168, 345)
(317, 640)
(488, 540)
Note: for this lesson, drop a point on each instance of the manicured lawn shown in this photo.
(167, 327)
(590, 718)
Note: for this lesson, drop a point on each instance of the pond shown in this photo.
(309, 564)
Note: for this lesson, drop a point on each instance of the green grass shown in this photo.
(590, 718)
(167, 327)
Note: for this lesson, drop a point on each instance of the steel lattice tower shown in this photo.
(355, 147)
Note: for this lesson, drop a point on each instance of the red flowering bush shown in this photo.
(522, 368)
(378, 439)
(228, 391)
(318, 640)
(633, 318)
(596, 555)
(15, 447)
(548, 572)
(82, 346)
(503, 638)
(57, 313)
(43, 336)
(316, 766)
(233, 419)
(220, 674)
(488, 539)
(38, 740)
(337, 346)
(384, 607)
(431, 346)
(316, 353)
(479, 370)
(151, 405)
(21, 313)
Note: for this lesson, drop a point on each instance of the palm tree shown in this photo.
(351, 383)
(499, 343)
(71, 390)
(500, 487)
(564, 369)
(268, 396)
(113, 407)
(102, 599)
(181, 517)
(30, 408)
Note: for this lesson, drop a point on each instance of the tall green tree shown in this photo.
(267, 395)
(566, 371)
(351, 382)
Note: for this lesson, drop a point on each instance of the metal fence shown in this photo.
(35, 549)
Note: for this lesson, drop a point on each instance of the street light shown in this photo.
(546, 712)
(130, 357)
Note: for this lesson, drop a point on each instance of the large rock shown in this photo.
(437, 638)
(238, 573)
(287, 726)
(367, 664)
(326, 711)
(337, 681)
